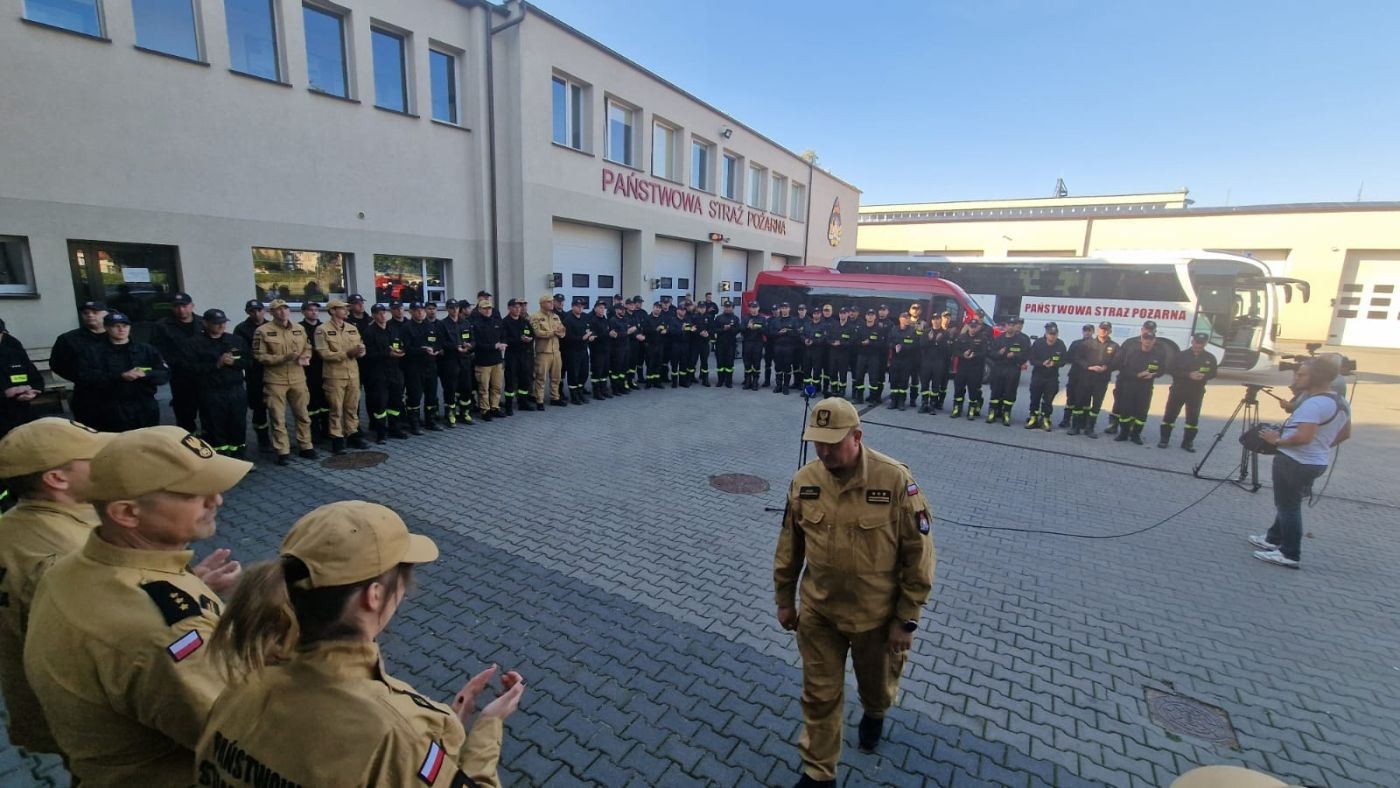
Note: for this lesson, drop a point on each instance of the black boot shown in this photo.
(705, 378)
(357, 441)
(1123, 432)
(381, 432)
(430, 420)
(396, 429)
(1112, 428)
(894, 402)
(1090, 424)
(337, 445)
(264, 440)
(926, 404)
(901, 399)
(870, 731)
(1076, 424)
(413, 428)
(1188, 440)
(1166, 436)
(1136, 431)
(1065, 419)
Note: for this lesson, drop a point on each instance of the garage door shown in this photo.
(1368, 307)
(587, 261)
(675, 268)
(732, 276)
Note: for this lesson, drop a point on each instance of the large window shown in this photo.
(137, 279)
(325, 51)
(16, 272)
(297, 275)
(166, 26)
(702, 154)
(444, 73)
(400, 278)
(758, 187)
(622, 122)
(80, 16)
(569, 104)
(665, 151)
(799, 202)
(252, 38)
(779, 202)
(729, 177)
(390, 82)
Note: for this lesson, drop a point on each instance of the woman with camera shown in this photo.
(1318, 422)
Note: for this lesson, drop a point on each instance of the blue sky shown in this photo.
(1242, 101)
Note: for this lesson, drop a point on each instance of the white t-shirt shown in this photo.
(1316, 409)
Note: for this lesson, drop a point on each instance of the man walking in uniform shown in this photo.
(284, 350)
(341, 347)
(547, 329)
(857, 532)
(1191, 370)
(174, 337)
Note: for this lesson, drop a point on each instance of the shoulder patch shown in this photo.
(878, 496)
(188, 644)
(923, 522)
(809, 493)
(175, 605)
(432, 764)
(911, 490)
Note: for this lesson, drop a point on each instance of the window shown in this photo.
(252, 38)
(605, 282)
(663, 283)
(568, 113)
(779, 195)
(80, 16)
(579, 280)
(16, 273)
(701, 153)
(556, 280)
(799, 202)
(325, 51)
(444, 73)
(390, 82)
(729, 177)
(400, 278)
(758, 187)
(297, 275)
(621, 122)
(166, 26)
(665, 151)
(682, 284)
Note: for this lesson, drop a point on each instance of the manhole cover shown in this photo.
(354, 461)
(1189, 717)
(738, 483)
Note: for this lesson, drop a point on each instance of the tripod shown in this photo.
(808, 392)
(1248, 413)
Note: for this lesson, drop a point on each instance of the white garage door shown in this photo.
(675, 269)
(732, 277)
(587, 261)
(1368, 306)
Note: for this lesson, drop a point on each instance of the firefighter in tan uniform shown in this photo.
(548, 328)
(116, 649)
(45, 463)
(310, 702)
(856, 529)
(340, 347)
(284, 350)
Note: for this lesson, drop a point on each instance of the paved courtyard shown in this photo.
(585, 548)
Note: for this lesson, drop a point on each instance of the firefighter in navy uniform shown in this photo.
(725, 328)
(220, 359)
(318, 409)
(600, 349)
(754, 331)
(23, 382)
(253, 375)
(1046, 356)
(620, 332)
(904, 360)
(174, 337)
(799, 352)
(654, 346)
(840, 353)
(1006, 355)
(768, 313)
(449, 365)
(814, 348)
(383, 377)
(124, 376)
(576, 350)
(69, 348)
(520, 357)
(1191, 370)
(882, 317)
(678, 345)
(490, 333)
(784, 339)
(700, 343)
(866, 382)
(1095, 361)
(934, 351)
(420, 337)
(1139, 366)
(460, 345)
(970, 347)
(1086, 335)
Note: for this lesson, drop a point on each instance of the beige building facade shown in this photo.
(1348, 252)
(413, 149)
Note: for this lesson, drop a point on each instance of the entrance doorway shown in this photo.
(137, 279)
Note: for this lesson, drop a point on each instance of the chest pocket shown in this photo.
(873, 543)
(275, 343)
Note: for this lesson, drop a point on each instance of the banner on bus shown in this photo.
(1170, 316)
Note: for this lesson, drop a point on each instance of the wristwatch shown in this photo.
(910, 626)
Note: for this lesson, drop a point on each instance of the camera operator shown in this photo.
(1339, 386)
(1319, 421)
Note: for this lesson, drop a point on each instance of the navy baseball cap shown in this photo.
(181, 299)
(305, 305)
(396, 305)
(1200, 336)
(355, 298)
(1016, 321)
(254, 305)
(379, 308)
(416, 305)
(1107, 325)
(1088, 327)
(92, 306)
(215, 316)
(558, 296)
(1150, 325)
(113, 318)
(1052, 328)
(451, 302)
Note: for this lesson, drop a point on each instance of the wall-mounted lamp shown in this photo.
(726, 132)
(718, 238)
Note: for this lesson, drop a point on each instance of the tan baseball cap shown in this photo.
(276, 302)
(831, 420)
(482, 303)
(45, 444)
(352, 541)
(1226, 777)
(161, 459)
(547, 298)
(337, 303)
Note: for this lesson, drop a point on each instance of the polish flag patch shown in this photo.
(912, 489)
(185, 646)
(432, 764)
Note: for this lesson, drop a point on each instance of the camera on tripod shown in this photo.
(1347, 366)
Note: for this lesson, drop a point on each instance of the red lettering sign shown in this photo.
(642, 189)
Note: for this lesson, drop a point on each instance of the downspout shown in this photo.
(807, 236)
(491, 140)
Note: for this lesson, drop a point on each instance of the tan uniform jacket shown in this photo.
(32, 535)
(272, 343)
(332, 342)
(116, 654)
(333, 717)
(867, 544)
(544, 324)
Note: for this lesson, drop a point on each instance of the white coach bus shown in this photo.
(1231, 297)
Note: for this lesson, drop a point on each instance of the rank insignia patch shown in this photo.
(878, 496)
(809, 493)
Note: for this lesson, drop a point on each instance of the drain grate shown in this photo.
(354, 461)
(739, 483)
(1185, 716)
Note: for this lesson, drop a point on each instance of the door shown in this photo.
(1367, 313)
(137, 279)
(675, 270)
(588, 261)
(732, 276)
